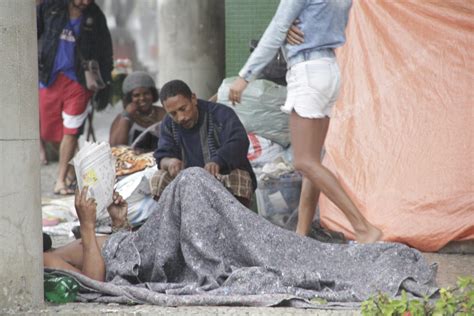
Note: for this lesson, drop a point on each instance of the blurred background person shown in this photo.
(70, 33)
(139, 112)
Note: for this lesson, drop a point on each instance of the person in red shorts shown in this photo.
(69, 33)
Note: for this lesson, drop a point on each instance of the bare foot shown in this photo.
(118, 211)
(369, 235)
(60, 188)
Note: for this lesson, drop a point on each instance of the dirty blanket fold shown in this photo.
(202, 247)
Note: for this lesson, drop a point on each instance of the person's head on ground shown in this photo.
(180, 103)
(139, 88)
(81, 4)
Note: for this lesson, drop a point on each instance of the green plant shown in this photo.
(452, 301)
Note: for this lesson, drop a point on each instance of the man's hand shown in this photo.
(174, 166)
(212, 168)
(235, 92)
(86, 208)
(295, 36)
(118, 210)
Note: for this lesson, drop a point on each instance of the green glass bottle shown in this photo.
(60, 289)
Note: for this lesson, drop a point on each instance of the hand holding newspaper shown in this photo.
(95, 167)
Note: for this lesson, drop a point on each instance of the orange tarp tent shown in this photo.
(401, 136)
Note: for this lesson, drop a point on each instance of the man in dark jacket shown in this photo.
(198, 133)
(69, 33)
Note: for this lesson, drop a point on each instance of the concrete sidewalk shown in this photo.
(92, 309)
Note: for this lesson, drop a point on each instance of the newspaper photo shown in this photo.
(95, 168)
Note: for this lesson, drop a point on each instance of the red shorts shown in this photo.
(63, 108)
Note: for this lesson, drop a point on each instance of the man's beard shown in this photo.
(81, 7)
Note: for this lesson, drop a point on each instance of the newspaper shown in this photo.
(95, 167)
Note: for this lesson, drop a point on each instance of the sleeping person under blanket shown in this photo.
(201, 241)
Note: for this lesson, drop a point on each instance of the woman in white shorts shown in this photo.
(313, 86)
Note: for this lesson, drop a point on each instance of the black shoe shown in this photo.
(325, 235)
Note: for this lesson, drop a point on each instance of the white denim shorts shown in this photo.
(313, 87)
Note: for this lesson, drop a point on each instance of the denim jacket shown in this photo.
(322, 21)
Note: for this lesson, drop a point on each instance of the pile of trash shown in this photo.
(279, 186)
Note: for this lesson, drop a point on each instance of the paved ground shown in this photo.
(92, 309)
(460, 262)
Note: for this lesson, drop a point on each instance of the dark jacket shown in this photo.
(93, 42)
(221, 138)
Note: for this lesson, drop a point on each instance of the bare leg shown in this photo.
(308, 201)
(307, 139)
(71, 173)
(66, 152)
(70, 176)
(43, 157)
(310, 193)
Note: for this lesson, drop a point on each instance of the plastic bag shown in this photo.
(278, 198)
(262, 150)
(259, 109)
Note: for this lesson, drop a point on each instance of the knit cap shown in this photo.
(137, 79)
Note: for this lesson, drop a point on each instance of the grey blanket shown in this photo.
(202, 247)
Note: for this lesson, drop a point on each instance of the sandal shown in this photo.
(71, 183)
(63, 191)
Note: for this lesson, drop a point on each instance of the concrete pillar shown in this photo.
(191, 44)
(21, 266)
